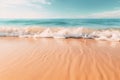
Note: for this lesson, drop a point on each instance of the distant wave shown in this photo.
(80, 32)
(94, 23)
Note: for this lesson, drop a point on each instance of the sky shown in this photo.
(59, 8)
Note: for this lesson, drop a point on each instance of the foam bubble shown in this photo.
(108, 35)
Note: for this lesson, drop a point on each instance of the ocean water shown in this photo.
(98, 29)
(87, 23)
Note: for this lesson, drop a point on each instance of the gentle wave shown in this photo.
(89, 23)
(37, 32)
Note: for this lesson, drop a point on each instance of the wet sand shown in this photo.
(59, 59)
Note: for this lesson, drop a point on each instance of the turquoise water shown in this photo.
(98, 29)
(89, 23)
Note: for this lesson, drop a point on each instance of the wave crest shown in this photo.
(108, 34)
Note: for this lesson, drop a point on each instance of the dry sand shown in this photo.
(59, 59)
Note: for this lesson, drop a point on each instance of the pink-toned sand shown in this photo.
(59, 59)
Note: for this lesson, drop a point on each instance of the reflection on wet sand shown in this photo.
(58, 59)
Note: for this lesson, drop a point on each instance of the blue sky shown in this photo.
(60, 9)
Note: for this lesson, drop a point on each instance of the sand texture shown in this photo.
(58, 59)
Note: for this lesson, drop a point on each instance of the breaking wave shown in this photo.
(80, 32)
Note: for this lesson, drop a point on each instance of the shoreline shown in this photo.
(58, 59)
(80, 32)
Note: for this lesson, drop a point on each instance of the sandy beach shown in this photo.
(58, 59)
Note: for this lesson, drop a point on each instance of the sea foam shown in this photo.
(86, 33)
